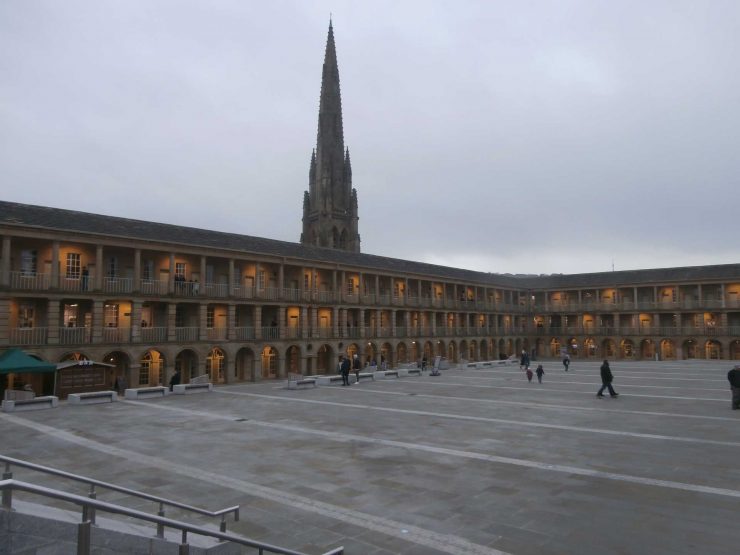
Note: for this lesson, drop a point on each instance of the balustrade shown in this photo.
(29, 281)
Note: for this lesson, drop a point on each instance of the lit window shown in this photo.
(73, 265)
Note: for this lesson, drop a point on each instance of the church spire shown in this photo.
(330, 211)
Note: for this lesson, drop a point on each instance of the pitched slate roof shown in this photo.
(46, 218)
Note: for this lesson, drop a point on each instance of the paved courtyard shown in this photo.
(476, 461)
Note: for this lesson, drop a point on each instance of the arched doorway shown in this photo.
(151, 369)
(609, 348)
(502, 352)
(352, 350)
(464, 349)
(735, 350)
(626, 348)
(270, 361)
(215, 364)
(689, 349)
(667, 350)
(484, 350)
(589, 347)
(555, 347)
(244, 365)
(187, 363)
(371, 354)
(441, 351)
(74, 356)
(414, 352)
(647, 348)
(452, 352)
(121, 366)
(325, 360)
(293, 359)
(713, 349)
(429, 352)
(573, 347)
(401, 353)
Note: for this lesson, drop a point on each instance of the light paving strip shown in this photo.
(491, 420)
(622, 374)
(446, 543)
(596, 384)
(529, 405)
(538, 389)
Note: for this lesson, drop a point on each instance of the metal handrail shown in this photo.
(83, 536)
(92, 482)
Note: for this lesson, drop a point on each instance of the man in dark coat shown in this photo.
(344, 370)
(356, 367)
(606, 380)
(733, 376)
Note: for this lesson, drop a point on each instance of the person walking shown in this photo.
(356, 367)
(539, 372)
(524, 361)
(529, 375)
(606, 380)
(343, 368)
(566, 361)
(733, 376)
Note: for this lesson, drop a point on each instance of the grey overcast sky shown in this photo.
(501, 136)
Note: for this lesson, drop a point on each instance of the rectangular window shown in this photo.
(305, 282)
(110, 316)
(209, 317)
(180, 269)
(25, 315)
(73, 265)
(147, 271)
(70, 315)
(209, 274)
(28, 262)
(351, 286)
(261, 279)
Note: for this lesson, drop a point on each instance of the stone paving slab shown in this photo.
(476, 461)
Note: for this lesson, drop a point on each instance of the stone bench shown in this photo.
(37, 403)
(145, 392)
(188, 388)
(329, 380)
(92, 397)
(406, 372)
(363, 376)
(383, 374)
(296, 381)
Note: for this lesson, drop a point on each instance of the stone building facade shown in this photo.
(148, 298)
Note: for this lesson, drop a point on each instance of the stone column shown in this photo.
(377, 288)
(137, 270)
(722, 293)
(393, 323)
(5, 272)
(378, 322)
(203, 321)
(98, 284)
(171, 320)
(231, 323)
(55, 265)
(343, 287)
(4, 320)
(53, 322)
(232, 273)
(202, 288)
(305, 331)
(97, 321)
(171, 280)
(335, 321)
(314, 322)
(434, 324)
(362, 323)
(281, 279)
(258, 322)
(282, 320)
(136, 321)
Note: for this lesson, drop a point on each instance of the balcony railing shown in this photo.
(244, 292)
(271, 332)
(29, 281)
(154, 335)
(118, 285)
(75, 336)
(116, 335)
(153, 287)
(28, 336)
(216, 334)
(220, 290)
(187, 334)
(244, 333)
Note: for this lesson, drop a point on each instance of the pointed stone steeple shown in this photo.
(330, 214)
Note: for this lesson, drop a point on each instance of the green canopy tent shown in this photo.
(15, 361)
